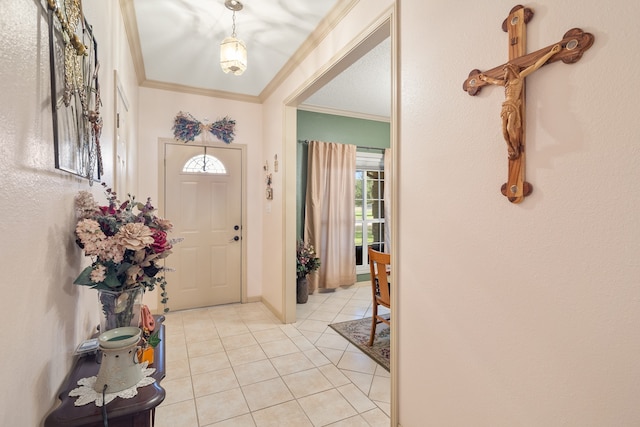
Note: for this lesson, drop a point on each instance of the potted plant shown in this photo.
(307, 262)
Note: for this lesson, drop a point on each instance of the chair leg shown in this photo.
(373, 324)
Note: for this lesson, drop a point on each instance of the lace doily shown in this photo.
(86, 393)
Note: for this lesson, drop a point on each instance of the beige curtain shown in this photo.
(388, 161)
(329, 213)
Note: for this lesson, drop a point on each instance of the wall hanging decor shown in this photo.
(268, 179)
(186, 128)
(512, 76)
(75, 91)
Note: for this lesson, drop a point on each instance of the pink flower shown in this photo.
(160, 243)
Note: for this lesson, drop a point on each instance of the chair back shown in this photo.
(378, 262)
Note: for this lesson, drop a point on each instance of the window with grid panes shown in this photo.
(369, 208)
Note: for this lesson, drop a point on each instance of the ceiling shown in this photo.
(176, 46)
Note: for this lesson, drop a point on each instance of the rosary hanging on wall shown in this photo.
(186, 128)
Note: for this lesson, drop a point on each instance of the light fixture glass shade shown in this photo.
(233, 56)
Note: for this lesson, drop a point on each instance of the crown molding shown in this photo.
(131, 28)
(328, 23)
(173, 87)
(343, 113)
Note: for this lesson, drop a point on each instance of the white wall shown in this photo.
(44, 315)
(519, 315)
(158, 109)
(280, 220)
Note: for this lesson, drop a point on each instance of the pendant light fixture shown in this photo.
(233, 52)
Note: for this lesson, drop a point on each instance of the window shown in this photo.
(204, 164)
(369, 203)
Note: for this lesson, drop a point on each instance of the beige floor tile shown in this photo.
(239, 357)
(302, 343)
(356, 398)
(181, 414)
(310, 335)
(354, 310)
(177, 390)
(307, 382)
(242, 355)
(290, 330)
(268, 335)
(358, 362)
(381, 372)
(384, 407)
(334, 375)
(285, 414)
(209, 363)
(245, 420)
(313, 325)
(334, 341)
(323, 316)
(232, 342)
(227, 329)
(202, 348)
(200, 334)
(362, 381)
(221, 406)
(250, 373)
(376, 418)
(177, 369)
(261, 324)
(174, 340)
(208, 383)
(290, 363)
(333, 355)
(178, 352)
(316, 357)
(266, 393)
(279, 348)
(381, 389)
(346, 317)
(326, 407)
(356, 421)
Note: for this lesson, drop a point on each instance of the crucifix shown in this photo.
(512, 76)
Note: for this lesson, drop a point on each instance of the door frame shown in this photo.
(162, 142)
(385, 25)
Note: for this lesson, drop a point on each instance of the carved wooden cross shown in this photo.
(512, 76)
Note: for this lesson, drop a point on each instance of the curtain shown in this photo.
(329, 213)
(388, 161)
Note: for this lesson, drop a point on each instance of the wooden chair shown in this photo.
(378, 263)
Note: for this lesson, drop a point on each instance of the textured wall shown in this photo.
(44, 316)
(518, 315)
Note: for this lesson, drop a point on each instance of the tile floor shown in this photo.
(237, 365)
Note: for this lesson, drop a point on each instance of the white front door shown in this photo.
(205, 208)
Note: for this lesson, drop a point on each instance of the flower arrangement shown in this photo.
(307, 262)
(125, 241)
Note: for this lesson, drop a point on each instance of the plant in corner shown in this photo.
(126, 242)
(307, 262)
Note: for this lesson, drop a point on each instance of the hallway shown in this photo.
(237, 365)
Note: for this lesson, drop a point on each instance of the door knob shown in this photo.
(236, 227)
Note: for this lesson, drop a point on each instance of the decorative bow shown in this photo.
(186, 128)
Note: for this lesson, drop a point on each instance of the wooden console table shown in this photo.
(138, 411)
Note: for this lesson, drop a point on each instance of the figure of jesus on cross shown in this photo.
(513, 83)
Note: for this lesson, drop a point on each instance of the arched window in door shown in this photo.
(204, 164)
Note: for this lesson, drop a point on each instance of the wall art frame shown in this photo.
(75, 94)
